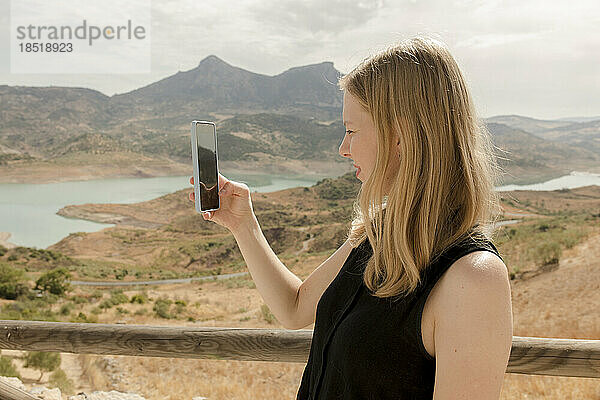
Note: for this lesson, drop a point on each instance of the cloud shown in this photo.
(315, 16)
(533, 57)
(496, 39)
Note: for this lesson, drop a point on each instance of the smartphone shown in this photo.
(206, 165)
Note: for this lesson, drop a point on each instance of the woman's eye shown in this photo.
(349, 132)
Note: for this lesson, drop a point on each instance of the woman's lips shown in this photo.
(357, 169)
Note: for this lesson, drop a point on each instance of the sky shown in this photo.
(537, 58)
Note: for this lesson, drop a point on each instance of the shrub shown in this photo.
(81, 317)
(119, 275)
(7, 368)
(96, 295)
(66, 309)
(12, 282)
(35, 309)
(54, 281)
(80, 299)
(59, 379)
(266, 313)
(139, 298)
(43, 361)
(161, 308)
(118, 297)
(141, 311)
(547, 253)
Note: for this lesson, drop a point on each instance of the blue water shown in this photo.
(28, 211)
(573, 180)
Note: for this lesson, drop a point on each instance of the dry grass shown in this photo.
(558, 302)
(553, 304)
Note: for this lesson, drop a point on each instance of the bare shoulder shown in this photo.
(477, 276)
(479, 265)
(472, 328)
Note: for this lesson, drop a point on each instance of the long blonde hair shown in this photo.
(444, 189)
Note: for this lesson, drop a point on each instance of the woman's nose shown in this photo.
(344, 149)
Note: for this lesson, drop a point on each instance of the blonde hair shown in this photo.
(444, 188)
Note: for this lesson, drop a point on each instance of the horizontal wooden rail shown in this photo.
(529, 355)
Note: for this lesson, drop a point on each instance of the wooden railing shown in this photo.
(529, 355)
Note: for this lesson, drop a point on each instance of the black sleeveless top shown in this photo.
(364, 347)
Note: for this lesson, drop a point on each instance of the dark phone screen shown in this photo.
(207, 166)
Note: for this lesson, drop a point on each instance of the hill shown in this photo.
(551, 252)
(288, 123)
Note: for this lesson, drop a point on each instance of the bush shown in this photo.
(80, 299)
(82, 318)
(43, 361)
(59, 379)
(139, 298)
(96, 310)
(547, 253)
(12, 282)
(118, 297)
(66, 309)
(54, 281)
(119, 275)
(161, 308)
(266, 314)
(28, 309)
(7, 368)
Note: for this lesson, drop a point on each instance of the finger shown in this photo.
(192, 180)
(222, 181)
(192, 196)
(224, 188)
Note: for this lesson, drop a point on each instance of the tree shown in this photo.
(45, 362)
(7, 368)
(12, 282)
(54, 281)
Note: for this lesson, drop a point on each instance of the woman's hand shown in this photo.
(235, 207)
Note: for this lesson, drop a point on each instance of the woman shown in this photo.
(416, 303)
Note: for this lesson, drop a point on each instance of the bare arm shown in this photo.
(293, 302)
(313, 287)
(277, 285)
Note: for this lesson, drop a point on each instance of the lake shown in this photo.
(28, 211)
(573, 180)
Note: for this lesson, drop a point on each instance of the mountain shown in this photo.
(527, 124)
(579, 119)
(527, 155)
(585, 135)
(287, 122)
(216, 86)
(154, 119)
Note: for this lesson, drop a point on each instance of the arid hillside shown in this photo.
(552, 251)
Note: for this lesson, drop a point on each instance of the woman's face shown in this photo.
(360, 139)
